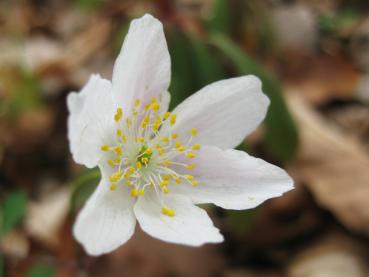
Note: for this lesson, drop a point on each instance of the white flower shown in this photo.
(153, 167)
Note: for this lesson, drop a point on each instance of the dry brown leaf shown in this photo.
(320, 78)
(45, 217)
(334, 166)
(335, 255)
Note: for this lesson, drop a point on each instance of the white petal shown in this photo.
(90, 120)
(142, 69)
(190, 225)
(224, 112)
(233, 179)
(164, 102)
(106, 221)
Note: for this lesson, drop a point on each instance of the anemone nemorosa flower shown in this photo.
(156, 165)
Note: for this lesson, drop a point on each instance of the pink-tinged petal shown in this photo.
(106, 221)
(142, 69)
(233, 179)
(190, 225)
(90, 121)
(224, 112)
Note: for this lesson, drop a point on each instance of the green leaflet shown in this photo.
(13, 210)
(83, 187)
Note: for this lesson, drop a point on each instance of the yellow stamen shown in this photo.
(118, 150)
(194, 183)
(190, 155)
(173, 119)
(137, 102)
(166, 115)
(139, 165)
(134, 192)
(190, 166)
(166, 163)
(118, 115)
(105, 147)
(155, 106)
(193, 132)
(196, 146)
(174, 135)
(165, 190)
(113, 186)
(189, 177)
(168, 211)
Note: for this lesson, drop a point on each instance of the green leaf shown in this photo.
(42, 270)
(184, 80)
(240, 221)
(207, 69)
(13, 210)
(281, 134)
(83, 187)
(88, 5)
(220, 19)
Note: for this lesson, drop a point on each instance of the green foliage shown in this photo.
(240, 221)
(24, 92)
(83, 187)
(88, 5)
(281, 133)
(13, 210)
(334, 22)
(193, 66)
(42, 270)
(220, 19)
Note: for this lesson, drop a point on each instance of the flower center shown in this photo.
(142, 159)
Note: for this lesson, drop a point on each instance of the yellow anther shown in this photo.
(153, 100)
(137, 102)
(164, 183)
(118, 150)
(177, 180)
(118, 115)
(140, 139)
(155, 106)
(190, 155)
(115, 177)
(168, 211)
(141, 192)
(166, 163)
(134, 192)
(174, 135)
(194, 183)
(105, 147)
(113, 186)
(190, 166)
(156, 127)
(145, 161)
(165, 190)
(139, 165)
(173, 119)
(177, 144)
(189, 177)
(119, 133)
(161, 151)
(193, 132)
(129, 183)
(196, 146)
(147, 106)
(148, 151)
(167, 177)
(129, 122)
(166, 115)
(124, 139)
(135, 112)
(181, 149)
(164, 139)
(111, 162)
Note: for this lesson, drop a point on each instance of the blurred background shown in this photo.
(313, 59)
